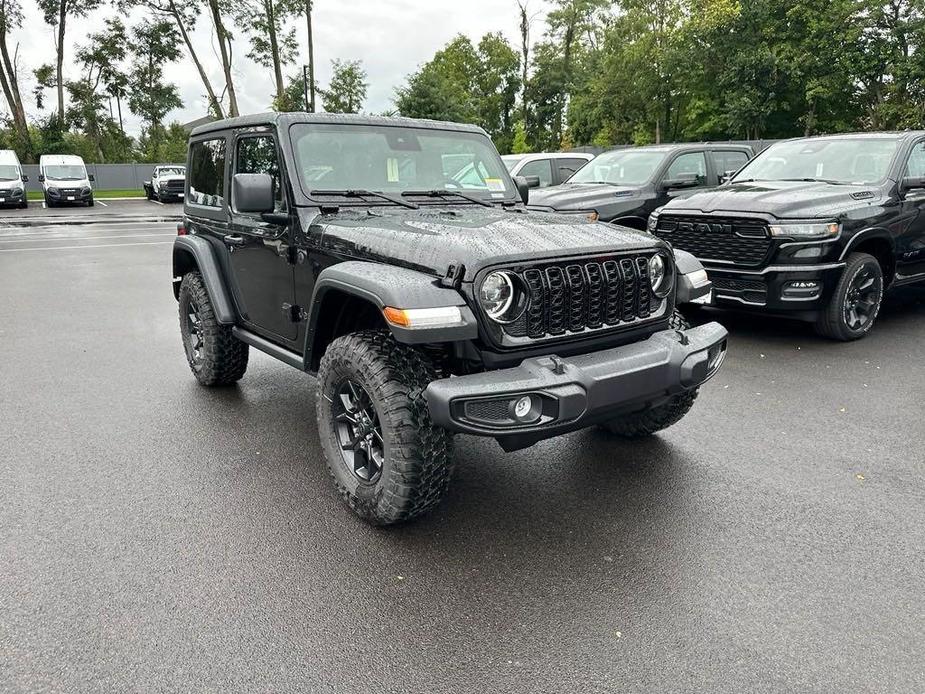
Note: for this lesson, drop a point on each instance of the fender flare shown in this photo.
(690, 286)
(200, 251)
(388, 285)
(866, 235)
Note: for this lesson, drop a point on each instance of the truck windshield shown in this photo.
(9, 172)
(848, 160)
(388, 159)
(171, 171)
(625, 167)
(65, 172)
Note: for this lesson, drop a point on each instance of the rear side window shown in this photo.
(569, 166)
(540, 168)
(915, 167)
(729, 161)
(207, 173)
(258, 155)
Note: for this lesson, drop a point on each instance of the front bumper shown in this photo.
(574, 393)
(780, 289)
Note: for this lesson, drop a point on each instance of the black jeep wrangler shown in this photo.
(426, 298)
(815, 228)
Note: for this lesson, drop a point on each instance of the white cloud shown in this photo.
(391, 39)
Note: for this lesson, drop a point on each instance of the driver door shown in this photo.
(910, 241)
(258, 251)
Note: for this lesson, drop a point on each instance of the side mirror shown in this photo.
(91, 177)
(523, 187)
(25, 179)
(41, 178)
(912, 183)
(252, 193)
(727, 176)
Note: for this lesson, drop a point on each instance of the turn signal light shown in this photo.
(423, 317)
(181, 229)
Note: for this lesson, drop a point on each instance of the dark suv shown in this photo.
(344, 247)
(625, 186)
(814, 228)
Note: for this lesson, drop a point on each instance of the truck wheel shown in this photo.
(216, 357)
(48, 202)
(853, 308)
(641, 424)
(148, 193)
(388, 461)
(90, 202)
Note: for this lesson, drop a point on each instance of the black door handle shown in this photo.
(234, 240)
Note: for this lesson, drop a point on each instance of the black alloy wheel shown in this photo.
(359, 432)
(854, 305)
(863, 299)
(194, 334)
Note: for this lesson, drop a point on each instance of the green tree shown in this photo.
(148, 95)
(272, 43)
(346, 91)
(10, 19)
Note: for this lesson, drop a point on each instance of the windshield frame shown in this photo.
(656, 170)
(742, 175)
(304, 190)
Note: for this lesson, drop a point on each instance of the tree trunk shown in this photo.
(14, 100)
(525, 52)
(214, 103)
(119, 109)
(274, 49)
(311, 57)
(59, 71)
(224, 46)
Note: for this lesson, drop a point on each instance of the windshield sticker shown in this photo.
(392, 169)
(495, 184)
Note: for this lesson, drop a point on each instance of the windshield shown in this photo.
(625, 167)
(336, 157)
(171, 171)
(851, 160)
(9, 172)
(510, 162)
(66, 172)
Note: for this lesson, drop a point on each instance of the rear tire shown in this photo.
(639, 425)
(215, 356)
(853, 308)
(371, 386)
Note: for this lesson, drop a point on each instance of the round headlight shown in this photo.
(660, 276)
(496, 294)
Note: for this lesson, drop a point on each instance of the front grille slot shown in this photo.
(578, 296)
(734, 241)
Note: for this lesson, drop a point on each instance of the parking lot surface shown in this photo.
(158, 536)
(103, 210)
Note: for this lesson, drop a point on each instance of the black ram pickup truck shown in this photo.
(426, 305)
(814, 228)
(625, 186)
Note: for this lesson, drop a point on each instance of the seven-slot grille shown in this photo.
(570, 297)
(737, 241)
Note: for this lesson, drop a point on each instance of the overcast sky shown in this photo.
(391, 38)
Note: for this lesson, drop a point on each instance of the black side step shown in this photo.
(271, 348)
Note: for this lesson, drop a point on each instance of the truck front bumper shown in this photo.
(777, 289)
(547, 396)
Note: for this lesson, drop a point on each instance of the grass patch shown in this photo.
(98, 194)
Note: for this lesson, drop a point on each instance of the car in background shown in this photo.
(168, 183)
(12, 180)
(549, 168)
(625, 186)
(65, 180)
(814, 229)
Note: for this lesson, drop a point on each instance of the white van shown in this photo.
(65, 180)
(12, 180)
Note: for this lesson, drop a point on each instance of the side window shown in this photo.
(569, 166)
(729, 161)
(258, 155)
(692, 164)
(541, 168)
(207, 173)
(915, 168)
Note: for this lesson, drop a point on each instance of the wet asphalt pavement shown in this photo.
(157, 536)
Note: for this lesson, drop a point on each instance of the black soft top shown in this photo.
(284, 120)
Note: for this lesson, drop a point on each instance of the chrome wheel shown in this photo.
(359, 432)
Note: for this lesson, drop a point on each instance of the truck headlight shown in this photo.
(661, 276)
(502, 297)
(824, 230)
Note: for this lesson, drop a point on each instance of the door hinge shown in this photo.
(296, 313)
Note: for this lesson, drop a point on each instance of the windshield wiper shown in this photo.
(437, 193)
(814, 180)
(354, 193)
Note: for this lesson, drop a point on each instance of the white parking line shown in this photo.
(101, 245)
(102, 203)
(43, 205)
(80, 238)
(156, 202)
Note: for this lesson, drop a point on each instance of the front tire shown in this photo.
(853, 308)
(90, 202)
(215, 356)
(389, 462)
(639, 425)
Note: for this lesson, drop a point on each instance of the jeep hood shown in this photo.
(433, 238)
(581, 196)
(779, 199)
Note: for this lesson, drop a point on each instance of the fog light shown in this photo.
(801, 289)
(523, 406)
(715, 356)
(526, 408)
